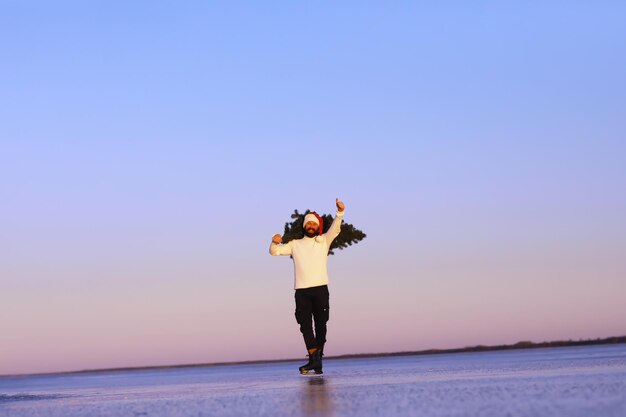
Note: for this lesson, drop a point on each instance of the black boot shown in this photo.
(315, 363)
(318, 370)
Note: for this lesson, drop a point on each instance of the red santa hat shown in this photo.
(316, 218)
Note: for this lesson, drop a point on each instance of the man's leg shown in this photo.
(321, 313)
(304, 307)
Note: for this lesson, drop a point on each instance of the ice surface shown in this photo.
(567, 382)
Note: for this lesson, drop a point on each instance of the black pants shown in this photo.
(312, 303)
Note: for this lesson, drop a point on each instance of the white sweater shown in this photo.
(310, 255)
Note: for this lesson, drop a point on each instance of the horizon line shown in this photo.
(433, 351)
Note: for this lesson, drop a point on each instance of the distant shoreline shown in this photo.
(469, 349)
(481, 348)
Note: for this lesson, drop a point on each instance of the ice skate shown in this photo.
(314, 365)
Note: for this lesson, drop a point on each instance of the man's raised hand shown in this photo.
(340, 205)
(277, 238)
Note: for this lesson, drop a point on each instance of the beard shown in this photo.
(310, 232)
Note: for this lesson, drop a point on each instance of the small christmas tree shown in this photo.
(348, 236)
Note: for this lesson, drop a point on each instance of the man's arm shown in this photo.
(335, 227)
(277, 249)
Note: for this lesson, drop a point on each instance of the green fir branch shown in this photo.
(348, 236)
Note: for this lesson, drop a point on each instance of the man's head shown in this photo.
(313, 224)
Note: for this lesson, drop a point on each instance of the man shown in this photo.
(310, 255)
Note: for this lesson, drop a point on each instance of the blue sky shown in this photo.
(150, 150)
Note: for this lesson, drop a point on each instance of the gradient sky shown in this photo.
(150, 149)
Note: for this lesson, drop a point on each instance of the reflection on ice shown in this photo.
(315, 397)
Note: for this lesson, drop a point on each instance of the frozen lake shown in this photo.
(567, 382)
